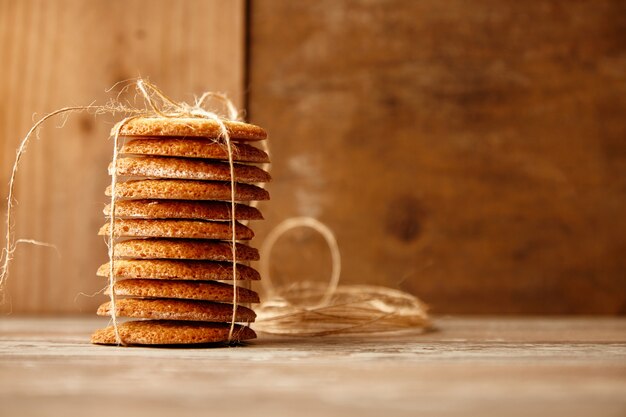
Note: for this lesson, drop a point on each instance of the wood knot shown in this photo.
(405, 215)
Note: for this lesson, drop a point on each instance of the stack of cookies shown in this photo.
(173, 232)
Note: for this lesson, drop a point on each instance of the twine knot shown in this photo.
(172, 109)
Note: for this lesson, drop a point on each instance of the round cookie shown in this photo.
(191, 229)
(172, 309)
(188, 290)
(170, 332)
(181, 209)
(194, 127)
(177, 269)
(187, 190)
(188, 169)
(194, 148)
(194, 249)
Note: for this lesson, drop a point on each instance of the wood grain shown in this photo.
(472, 154)
(469, 367)
(67, 52)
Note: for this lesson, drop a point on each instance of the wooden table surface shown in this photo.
(470, 366)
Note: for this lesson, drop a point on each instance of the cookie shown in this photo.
(172, 309)
(194, 249)
(192, 229)
(181, 209)
(170, 332)
(187, 190)
(186, 169)
(194, 148)
(194, 127)
(188, 290)
(177, 269)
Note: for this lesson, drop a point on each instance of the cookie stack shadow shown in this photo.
(173, 232)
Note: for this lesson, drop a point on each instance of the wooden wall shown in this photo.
(67, 52)
(472, 153)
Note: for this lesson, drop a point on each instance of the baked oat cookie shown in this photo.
(186, 190)
(188, 290)
(195, 249)
(190, 127)
(171, 332)
(182, 209)
(177, 269)
(172, 309)
(194, 148)
(188, 169)
(192, 229)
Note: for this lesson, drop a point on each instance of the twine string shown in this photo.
(293, 223)
(6, 256)
(111, 241)
(313, 309)
(10, 244)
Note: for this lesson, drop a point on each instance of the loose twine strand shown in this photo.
(281, 229)
(9, 248)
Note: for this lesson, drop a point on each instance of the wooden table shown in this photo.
(470, 366)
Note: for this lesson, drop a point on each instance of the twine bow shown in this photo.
(173, 109)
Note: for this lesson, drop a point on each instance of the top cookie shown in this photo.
(194, 148)
(171, 332)
(192, 127)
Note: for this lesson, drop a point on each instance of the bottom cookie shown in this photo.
(171, 332)
(174, 309)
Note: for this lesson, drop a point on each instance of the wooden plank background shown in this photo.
(67, 52)
(472, 153)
